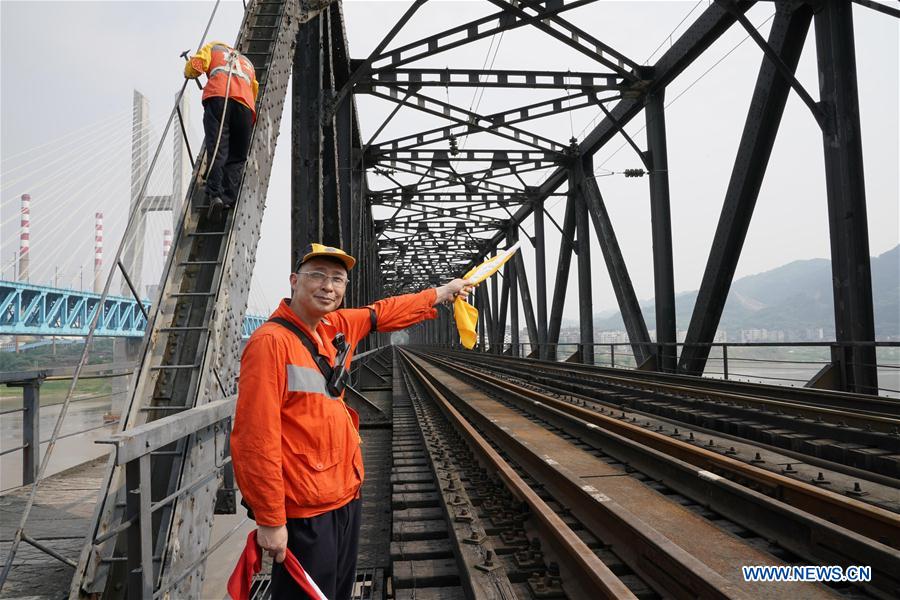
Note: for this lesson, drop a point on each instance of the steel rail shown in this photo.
(594, 575)
(836, 399)
(668, 568)
(814, 523)
(705, 428)
(837, 508)
(885, 422)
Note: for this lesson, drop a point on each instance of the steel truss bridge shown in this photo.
(27, 309)
(422, 207)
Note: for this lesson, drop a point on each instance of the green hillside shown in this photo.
(793, 298)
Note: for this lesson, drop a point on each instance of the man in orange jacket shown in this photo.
(295, 444)
(227, 125)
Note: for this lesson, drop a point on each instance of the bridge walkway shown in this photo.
(61, 516)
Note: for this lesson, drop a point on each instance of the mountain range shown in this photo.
(794, 297)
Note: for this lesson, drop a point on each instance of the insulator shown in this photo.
(634, 172)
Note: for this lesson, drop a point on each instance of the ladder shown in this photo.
(191, 349)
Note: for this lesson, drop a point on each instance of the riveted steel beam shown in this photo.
(786, 37)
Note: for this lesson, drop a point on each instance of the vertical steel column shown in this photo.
(343, 128)
(661, 225)
(480, 304)
(331, 198)
(562, 280)
(527, 307)
(540, 270)
(495, 304)
(31, 430)
(500, 323)
(140, 534)
(512, 276)
(583, 243)
(845, 185)
(487, 314)
(306, 139)
(629, 307)
(343, 146)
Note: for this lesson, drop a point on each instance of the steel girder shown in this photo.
(454, 214)
(846, 190)
(455, 186)
(786, 38)
(474, 202)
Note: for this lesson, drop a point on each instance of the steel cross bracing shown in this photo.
(446, 194)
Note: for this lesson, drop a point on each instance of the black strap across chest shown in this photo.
(321, 361)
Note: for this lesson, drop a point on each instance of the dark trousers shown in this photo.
(223, 178)
(326, 547)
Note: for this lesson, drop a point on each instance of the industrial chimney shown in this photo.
(98, 252)
(24, 236)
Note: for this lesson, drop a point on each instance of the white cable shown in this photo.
(57, 142)
(51, 186)
(53, 197)
(86, 237)
(106, 141)
(49, 257)
(60, 156)
(50, 233)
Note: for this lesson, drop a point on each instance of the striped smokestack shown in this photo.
(98, 252)
(167, 243)
(24, 236)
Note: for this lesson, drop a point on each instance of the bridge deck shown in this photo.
(60, 520)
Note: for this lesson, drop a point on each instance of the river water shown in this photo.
(70, 451)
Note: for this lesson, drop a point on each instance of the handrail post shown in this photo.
(140, 538)
(31, 430)
(725, 360)
(612, 356)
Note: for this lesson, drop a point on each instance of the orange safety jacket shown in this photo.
(295, 449)
(213, 59)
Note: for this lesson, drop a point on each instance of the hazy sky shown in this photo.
(69, 68)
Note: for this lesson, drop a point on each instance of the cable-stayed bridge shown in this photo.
(532, 468)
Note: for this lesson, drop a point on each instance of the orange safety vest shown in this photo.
(216, 59)
(296, 449)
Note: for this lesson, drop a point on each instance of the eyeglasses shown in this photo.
(338, 281)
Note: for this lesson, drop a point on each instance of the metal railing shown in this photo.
(31, 382)
(779, 363)
(133, 449)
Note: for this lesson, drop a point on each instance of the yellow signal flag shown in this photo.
(465, 314)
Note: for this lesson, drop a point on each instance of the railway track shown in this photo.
(601, 504)
(859, 432)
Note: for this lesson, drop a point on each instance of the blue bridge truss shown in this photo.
(27, 309)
